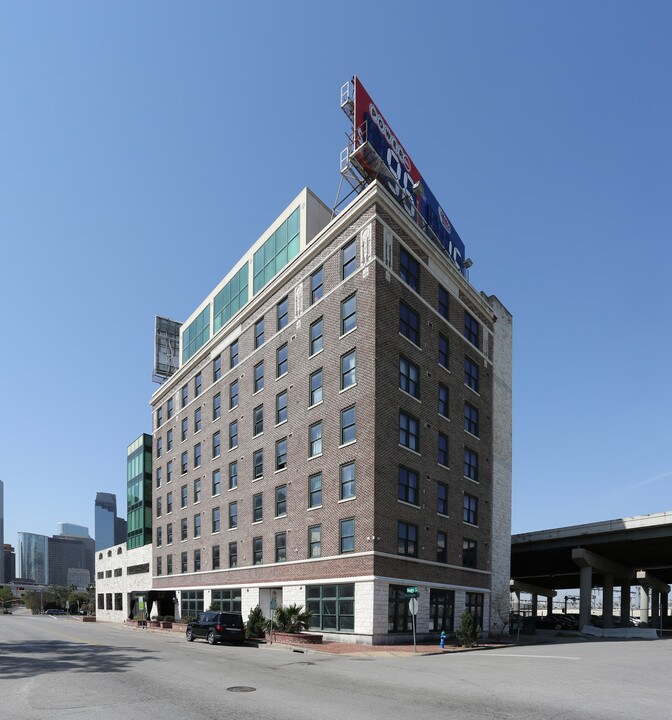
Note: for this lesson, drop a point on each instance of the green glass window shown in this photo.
(196, 334)
(280, 249)
(333, 607)
(230, 299)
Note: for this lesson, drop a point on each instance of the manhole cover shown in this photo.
(241, 688)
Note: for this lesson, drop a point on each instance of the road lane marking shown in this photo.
(545, 657)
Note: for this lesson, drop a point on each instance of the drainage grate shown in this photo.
(241, 688)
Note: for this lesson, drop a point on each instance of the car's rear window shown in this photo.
(231, 620)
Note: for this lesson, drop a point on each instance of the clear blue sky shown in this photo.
(132, 133)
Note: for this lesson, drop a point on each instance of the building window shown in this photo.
(258, 420)
(169, 503)
(348, 425)
(409, 323)
(347, 481)
(315, 440)
(258, 464)
(349, 314)
(233, 435)
(184, 567)
(471, 329)
(443, 450)
(281, 407)
(441, 547)
(281, 454)
(316, 387)
(197, 526)
(407, 537)
(217, 368)
(233, 475)
(280, 501)
(169, 408)
(257, 550)
(159, 447)
(118, 602)
(471, 419)
(184, 496)
(258, 377)
(184, 466)
(471, 374)
(198, 384)
(184, 529)
(197, 455)
(169, 471)
(216, 482)
(108, 601)
(398, 615)
(159, 536)
(442, 498)
(282, 310)
(233, 353)
(197, 490)
(348, 259)
(315, 541)
(233, 515)
(408, 485)
(316, 286)
(259, 333)
(216, 406)
(348, 369)
(443, 302)
(409, 377)
(332, 607)
(185, 395)
(409, 431)
(280, 547)
(409, 269)
(469, 553)
(216, 444)
(216, 520)
(257, 507)
(282, 362)
(184, 432)
(215, 557)
(443, 401)
(101, 601)
(159, 566)
(233, 554)
(159, 477)
(192, 603)
(347, 535)
(169, 534)
(470, 464)
(159, 417)
(169, 440)
(169, 564)
(315, 490)
(443, 351)
(470, 509)
(474, 603)
(316, 336)
(441, 610)
(233, 395)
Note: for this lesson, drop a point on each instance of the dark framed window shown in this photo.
(349, 314)
(169, 440)
(315, 395)
(233, 554)
(216, 482)
(185, 395)
(258, 377)
(409, 377)
(348, 259)
(159, 536)
(474, 603)
(471, 419)
(233, 475)
(216, 444)
(470, 464)
(169, 408)
(409, 323)
(470, 509)
(347, 535)
(257, 507)
(314, 542)
(281, 454)
(348, 425)
(443, 302)
(159, 477)
(159, 447)
(315, 490)
(169, 471)
(233, 515)
(184, 462)
(408, 485)
(257, 550)
(233, 354)
(441, 547)
(347, 481)
(184, 428)
(233, 395)
(198, 415)
(159, 507)
(197, 526)
(471, 373)
(409, 269)
(159, 417)
(198, 384)
(409, 431)
(169, 533)
(316, 285)
(184, 529)
(443, 351)
(197, 455)
(259, 333)
(169, 564)
(281, 407)
(216, 406)
(226, 600)
(169, 502)
(197, 490)
(316, 336)
(280, 500)
(184, 496)
(217, 368)
(280, 547)
(441, 610)
(258, 464)
(258, 420)
(215, 557)
(469, 553)
(192, 603)
(443, 450)
(159, 567)
(233, 435)
(315, 439)
(348, 369)
(407, 539)
(471, 329)
(398, 615)
(282, 362)
(332, 607)
(282, 311)
(184, 564)
(443, 401)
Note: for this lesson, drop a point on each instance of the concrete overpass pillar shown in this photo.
(625, 604)
(516, 601)
(644, 604)
(535, 604)
(608, 601)
(585, 589)
(549, 605)
(655, 607)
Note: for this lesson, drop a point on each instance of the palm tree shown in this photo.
(291, 619)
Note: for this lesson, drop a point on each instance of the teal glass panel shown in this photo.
(230, 299)
(277, 252)
(196, 335)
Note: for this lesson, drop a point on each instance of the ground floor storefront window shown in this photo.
(226, 600)
(441, 610)
(333, 607)
(192, 603)
(398, 615)
(474, 603)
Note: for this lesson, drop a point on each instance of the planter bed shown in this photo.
(296, 638)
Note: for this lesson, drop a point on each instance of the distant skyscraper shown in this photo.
(106, 519)
(10, 563)
(34, 557)
(71, 560)
(73, 530)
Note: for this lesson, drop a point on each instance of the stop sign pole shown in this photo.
(413, 593)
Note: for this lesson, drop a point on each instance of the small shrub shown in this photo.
(256, 623)
(466, 633)
(291, 619)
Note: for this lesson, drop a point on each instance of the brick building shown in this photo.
(338, 430)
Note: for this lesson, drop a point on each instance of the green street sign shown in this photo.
(412, 591)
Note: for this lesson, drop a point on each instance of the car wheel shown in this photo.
(211, 638)
(190, 635)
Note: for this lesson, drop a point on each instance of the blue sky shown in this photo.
(132, 133)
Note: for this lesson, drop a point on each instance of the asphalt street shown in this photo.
(56, 667)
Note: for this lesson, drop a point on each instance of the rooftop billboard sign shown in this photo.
(382, 156)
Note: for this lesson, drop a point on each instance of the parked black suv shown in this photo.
(217, 626)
